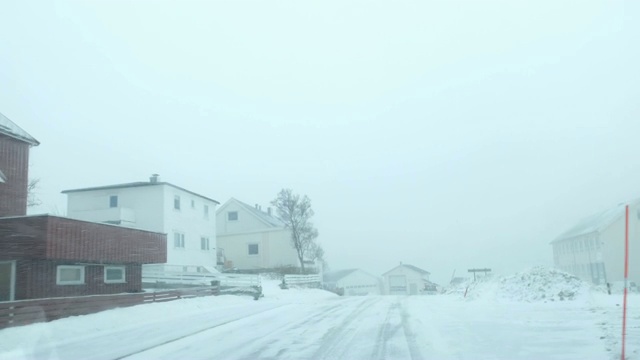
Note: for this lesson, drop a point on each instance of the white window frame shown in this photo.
(120, 281)
(72, 282)
(249, 247)
(229, 215)
(204, 240)
(181, 240)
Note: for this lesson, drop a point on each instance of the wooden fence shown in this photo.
(23, 312)
(312, 280)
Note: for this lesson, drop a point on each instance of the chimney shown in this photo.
(269, 210)
(154, 178)
(257, 208)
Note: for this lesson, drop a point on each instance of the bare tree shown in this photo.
(32, 198)
(296, 212)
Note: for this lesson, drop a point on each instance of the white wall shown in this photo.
(152, 208)
(192, 222)
(413, 280)
(576, 255)
(274, 247)
(360, 283)
(246, 222)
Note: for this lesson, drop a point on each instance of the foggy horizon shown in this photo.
(443, 135)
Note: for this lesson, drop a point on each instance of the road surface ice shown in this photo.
(313, 324)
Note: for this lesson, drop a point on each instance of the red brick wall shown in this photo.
(56, 238)
(23, 238)
(14, 163)
(37, 279)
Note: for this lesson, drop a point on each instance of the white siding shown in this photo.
(152, 208)
(275, 249)
(414, 280)
(247, 222)
(360, 283)
(583, 254)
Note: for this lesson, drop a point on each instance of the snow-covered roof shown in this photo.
(335, 276)
(135, 184)
(414, 268)
(9, 128)
(264, 216)
(594, 223)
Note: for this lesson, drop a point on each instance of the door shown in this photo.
(7, 280)
(413, 289)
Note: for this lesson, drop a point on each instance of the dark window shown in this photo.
(113, 201)
(206, 211)
(253, 249)
(232, 215)
(176, 202)
(204, 243)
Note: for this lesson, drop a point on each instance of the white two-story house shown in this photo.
(187, 218)
(253, 239)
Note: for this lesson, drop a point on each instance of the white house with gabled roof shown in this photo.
(406, 279)
(186, 217)
(593, 249)
(252, 238)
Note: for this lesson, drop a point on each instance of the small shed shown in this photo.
(49, 256)
(406, 279)
(352, 282)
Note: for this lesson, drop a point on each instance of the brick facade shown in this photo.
(36, 279)
(14, 163)
(38, 244)
(56, 238)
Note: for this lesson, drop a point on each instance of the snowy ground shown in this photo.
(313, 324)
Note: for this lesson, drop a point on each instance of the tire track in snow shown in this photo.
(304, 323)
(335, 341)
(409, 335)
(197, 332)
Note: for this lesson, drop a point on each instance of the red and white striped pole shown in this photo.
(626, 279)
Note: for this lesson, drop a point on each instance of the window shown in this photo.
(253, 249)
(206, 211)
(193, 204)
(70, 275)
(232, 215)
(114, 274)
(113, 201)
(204, 243)
(176, 202)
(178, 240)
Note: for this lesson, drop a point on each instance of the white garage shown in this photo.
(406, 279)
(352, 282)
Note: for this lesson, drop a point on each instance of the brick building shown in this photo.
(49, 256)
(14, 167)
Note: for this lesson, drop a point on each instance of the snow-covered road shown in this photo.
(312, 324)
(396, 328)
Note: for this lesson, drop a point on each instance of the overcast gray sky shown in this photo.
(445, 134)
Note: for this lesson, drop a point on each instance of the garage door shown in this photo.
(397, 284)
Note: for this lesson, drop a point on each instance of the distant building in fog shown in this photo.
(593, 249)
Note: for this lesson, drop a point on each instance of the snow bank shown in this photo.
(538, 284)
(272, 291)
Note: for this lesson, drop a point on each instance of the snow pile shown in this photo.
(272, 291)
(542, 284)
(538, 284)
